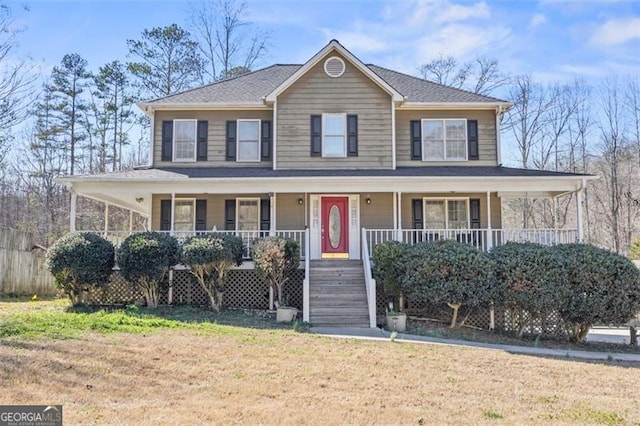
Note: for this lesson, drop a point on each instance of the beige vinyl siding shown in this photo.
(486, 137)
(289, 214)
(496, 217)
(378, 214)
(316, 93)
(216, 139)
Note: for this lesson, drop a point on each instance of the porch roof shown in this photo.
(180, 173)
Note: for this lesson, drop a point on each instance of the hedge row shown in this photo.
(583, 283)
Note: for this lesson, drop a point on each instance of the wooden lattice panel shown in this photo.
(117, 292)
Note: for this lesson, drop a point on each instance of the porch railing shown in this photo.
(248, 237)
(370, 283)
(483, 239)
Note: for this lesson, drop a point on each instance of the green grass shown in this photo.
(54, 319)
(493, 415)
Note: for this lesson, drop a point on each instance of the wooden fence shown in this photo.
(22, 270)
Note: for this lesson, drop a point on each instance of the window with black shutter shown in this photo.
(316, 135)
(472, 139)
(352, 135)
(231, 140)
(416, 139)
(203, 130)
(167, 140)
(266, 140)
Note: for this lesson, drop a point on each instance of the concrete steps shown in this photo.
(337, 294)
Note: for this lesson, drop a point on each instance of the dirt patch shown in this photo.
(274, 376)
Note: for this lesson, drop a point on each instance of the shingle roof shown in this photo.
(170, 173)
(252, 87)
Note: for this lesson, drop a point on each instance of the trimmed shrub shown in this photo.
(603, 286)
(530, 281)
(145, 260)
(209, 259)
(80, 261)
(276, 259)
(448, 272)
(388, 264)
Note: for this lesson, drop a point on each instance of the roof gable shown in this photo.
(334, 46)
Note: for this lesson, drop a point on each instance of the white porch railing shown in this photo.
(370, 283)
(305, 283)
(248, 237)
(483, 239)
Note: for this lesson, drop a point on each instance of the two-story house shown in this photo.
(335, 153)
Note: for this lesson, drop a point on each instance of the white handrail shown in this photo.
(305, 282)
(368, 279)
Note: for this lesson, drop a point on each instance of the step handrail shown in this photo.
(368, 279)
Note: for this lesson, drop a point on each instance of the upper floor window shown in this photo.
(444, 140)
(334, 138)
(184, 140)
(248, 140)
(334, 135)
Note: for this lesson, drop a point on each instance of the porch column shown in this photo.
(173, 211)
(72, 216)
(489, 227)
(395, 216)
(400, 216)
(555, 219)
(130, 221)
(579, 212)
(272, 214)
(106, 218)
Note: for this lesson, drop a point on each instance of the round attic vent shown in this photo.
(334, 66)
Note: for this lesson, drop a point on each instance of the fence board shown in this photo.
(22, 271)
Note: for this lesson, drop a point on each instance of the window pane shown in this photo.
(185, 140)
(334, 146)
(433, 140)
(248, 130)
(456, 150)
(456, 130)
(334, 125)
(434, 214)
(183, 216)
(248, 215)
(248, 151)
(457, 214)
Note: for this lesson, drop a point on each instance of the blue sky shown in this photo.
(551, 39)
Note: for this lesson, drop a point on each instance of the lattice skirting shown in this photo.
(244, 290)
(505, 320)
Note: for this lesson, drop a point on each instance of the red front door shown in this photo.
(335, 227)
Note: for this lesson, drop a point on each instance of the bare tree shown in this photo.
(227, 41)
(480, 75)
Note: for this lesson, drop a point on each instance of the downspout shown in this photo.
(275, 133)
(152, 118)
(393, 134)
(498, 150)
(583, 185)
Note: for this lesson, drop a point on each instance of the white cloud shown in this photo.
(461, 41)
(444, 12)
(358, 41)
(537, 20)
(615, 32)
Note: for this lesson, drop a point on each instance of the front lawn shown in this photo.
(145, 368)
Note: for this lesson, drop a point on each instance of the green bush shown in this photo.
(634, 252)
(209, 259)
(145, 260)
(276, 259)
(448, 272)
(388, 263)
(603, 286)
(530, 281)
(80, 261)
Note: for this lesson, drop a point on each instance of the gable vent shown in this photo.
(334, 66)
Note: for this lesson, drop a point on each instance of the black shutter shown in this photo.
(352, 135)
(231, 141)
(316, 135)
(167, 140)
(201, 215)
(474, 212)
(416, 212)
(230, 215)
(416, 140)
(165, 215)
(472, 139)
(265, 215)
(266, 140)
(203, 130)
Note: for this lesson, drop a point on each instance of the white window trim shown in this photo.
(195, 141)
(257, 199)
(193, 218)
(344, 146)
(238, 140)
(446, 210)
(444, 129)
